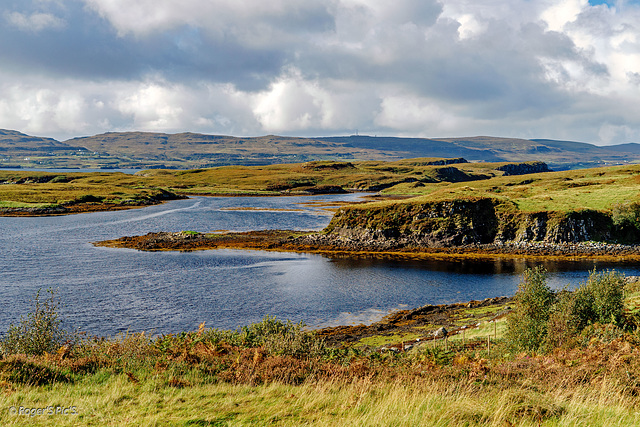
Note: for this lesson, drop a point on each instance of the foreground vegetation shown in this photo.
(278, 373)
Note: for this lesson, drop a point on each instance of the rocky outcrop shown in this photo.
(467, 222)
(444, 223)
(524, 168)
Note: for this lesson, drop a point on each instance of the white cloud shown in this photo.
(34, 22)
(416, 116)
(546, 68)
(254, 22)
(563, 12)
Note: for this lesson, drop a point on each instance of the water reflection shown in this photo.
(488, 266)
(105, 291)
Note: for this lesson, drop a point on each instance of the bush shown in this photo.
(563, 325)
(626, 220)
(600, 300)
(40, 332)
(282, 338)
(527, 325)
(602, 333)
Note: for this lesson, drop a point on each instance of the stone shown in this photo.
(440, 333)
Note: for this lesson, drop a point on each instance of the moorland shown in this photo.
(539, 358)
(427, 202)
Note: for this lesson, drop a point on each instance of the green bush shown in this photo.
(40, 332)
(563, 324)
(600, 300)
(527, 325)
(603, 333)
(282, 338)
(626, 221)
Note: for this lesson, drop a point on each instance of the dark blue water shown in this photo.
(106, 291)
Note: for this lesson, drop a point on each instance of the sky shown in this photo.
(559, 69)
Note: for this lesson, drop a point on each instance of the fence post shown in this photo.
(488, 345)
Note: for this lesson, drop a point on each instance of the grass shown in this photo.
(380, 340)
(599, 189)
(469, 390)
(360, 403)
(257, 376)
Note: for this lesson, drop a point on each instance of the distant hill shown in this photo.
(16, 144)
(192, 150)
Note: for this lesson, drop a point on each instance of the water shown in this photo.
(106, 291)
(69, 170)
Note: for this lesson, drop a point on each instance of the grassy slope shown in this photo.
(599, 188)
(27, 189)
(361, 402)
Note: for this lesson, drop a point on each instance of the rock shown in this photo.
(440, 333)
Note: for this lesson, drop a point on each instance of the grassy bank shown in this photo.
(278, 373)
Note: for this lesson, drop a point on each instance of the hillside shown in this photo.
(43, 190)
(144, 150)
(17, 148)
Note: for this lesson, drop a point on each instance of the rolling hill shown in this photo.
(145, 150)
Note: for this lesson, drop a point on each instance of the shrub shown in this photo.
(563, 325)
(601, 299)
(626, 220)
(602, 333)
(282, 338)
(527, 325)
(40, 332)
(598, 301)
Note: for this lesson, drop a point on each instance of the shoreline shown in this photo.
(402, 329)
(317, 243)
(77, 208)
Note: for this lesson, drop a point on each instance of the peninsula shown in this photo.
(445, 207)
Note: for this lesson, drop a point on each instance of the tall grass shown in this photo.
(275, 372)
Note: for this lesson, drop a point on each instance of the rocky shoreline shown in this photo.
(313, 242)
(421, 324)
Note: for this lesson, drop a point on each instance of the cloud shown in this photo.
(34, 22)
(550, 68)
(254, 22)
